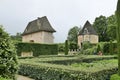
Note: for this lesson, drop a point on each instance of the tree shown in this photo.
(100, 25)
(17, 37)
(118, 34)
(8, 58)
(111, 29)
(73, 34)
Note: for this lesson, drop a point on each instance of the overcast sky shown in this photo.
(62, 14)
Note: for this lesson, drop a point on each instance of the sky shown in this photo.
(62, 14)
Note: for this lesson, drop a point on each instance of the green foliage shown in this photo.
(86, 45)
(73, 34)
(98, 70)
(115, 77)
(111, 48)
(66, 47)
(80, 60)
(111, 29)
(37, 49)
(73, 45)
(118, 34)
(61, 47)
(8, 58)
(17, 37)
(98, 48)
(100, 24)
(1, 78)
(88, 49)
(106, 48)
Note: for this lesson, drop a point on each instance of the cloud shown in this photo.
(62, 14)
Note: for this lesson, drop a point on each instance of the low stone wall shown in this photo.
(26, 54)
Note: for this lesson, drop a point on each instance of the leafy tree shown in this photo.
(8, 58)
(118, 34)
(17, 37)
(100, 24)
(73, 34)
(111, 21)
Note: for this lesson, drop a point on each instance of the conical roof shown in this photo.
(90, 29)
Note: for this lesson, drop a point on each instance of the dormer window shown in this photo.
(86, 31)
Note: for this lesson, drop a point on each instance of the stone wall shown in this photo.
(94, 39)
(91, 38)
(39, 37)
(27, 54)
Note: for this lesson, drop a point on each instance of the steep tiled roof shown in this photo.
(40, 24)
(89, 28)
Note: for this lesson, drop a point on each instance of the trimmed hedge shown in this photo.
(37, 49)
(86, 60)
(115, 77)
(95, 70)
(55, 72)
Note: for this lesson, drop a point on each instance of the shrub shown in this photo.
(115, 77)
(110, 48)
(37, 49)
(1, 78)
(98, 48)
(86, 45)
(61, 48)
(73, 46)
(8, 58)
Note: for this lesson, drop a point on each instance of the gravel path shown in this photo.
(20, 77)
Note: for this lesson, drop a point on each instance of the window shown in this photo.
(85, 31)
(32, 41)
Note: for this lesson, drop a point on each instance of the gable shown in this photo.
(88, 29)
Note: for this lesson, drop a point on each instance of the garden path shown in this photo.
(20, 77)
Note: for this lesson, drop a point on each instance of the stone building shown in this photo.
(87, 34)
(39, 31)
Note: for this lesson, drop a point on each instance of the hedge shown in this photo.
(37, 49)
(115, 77)
(86, 60)
(1, 78)
(107, 48)
(55, 72)
(95, 70)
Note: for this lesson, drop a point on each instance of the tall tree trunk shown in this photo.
(118, 34)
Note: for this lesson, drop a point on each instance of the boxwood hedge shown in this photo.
(37, 49)
(100, 70)
(43, 72)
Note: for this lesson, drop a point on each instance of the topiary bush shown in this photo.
(8, 58)
(115, 77)
(66, 47)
